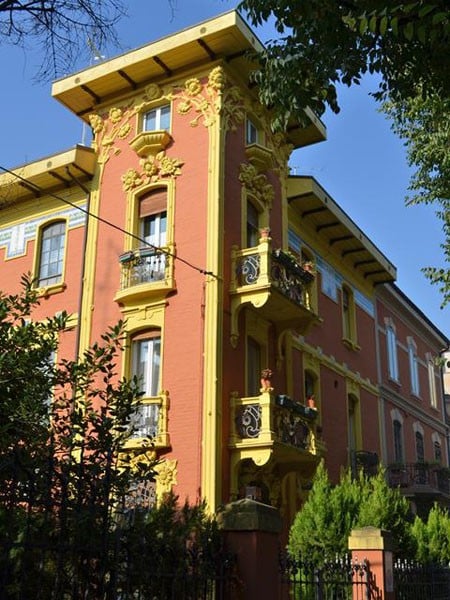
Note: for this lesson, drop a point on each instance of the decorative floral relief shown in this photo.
(166, 477)
(256, 184)
(108, 128)
(153, 168)
(205, 100)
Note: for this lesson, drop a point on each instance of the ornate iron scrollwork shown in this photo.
(248, 421)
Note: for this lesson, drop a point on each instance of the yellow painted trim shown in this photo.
(331, 363)
(211, 476)
(90, 260)
(60, 286)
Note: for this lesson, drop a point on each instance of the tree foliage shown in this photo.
(433, 537)
(322, 43)
(423, 122)
(62, 28)
(321, 529)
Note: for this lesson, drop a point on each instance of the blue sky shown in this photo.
(362, 165)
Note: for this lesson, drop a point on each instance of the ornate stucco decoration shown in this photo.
(154, 168)
(116, 123)
(109, 128)
(256, 184)
(166, 477)
(205, 101)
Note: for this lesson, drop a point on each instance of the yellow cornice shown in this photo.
(224, 36)
(49, 174)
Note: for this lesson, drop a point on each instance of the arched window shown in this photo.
(51, 254)
(398, 441)
(153, 229)
(420, 450)
(146, 366)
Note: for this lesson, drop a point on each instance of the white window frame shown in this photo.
(145, 420)
(432, 381)
(252, 135)
(160, 115)
(392, 353)
(53, 255)
(413, 367)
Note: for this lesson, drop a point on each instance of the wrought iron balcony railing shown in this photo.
(419, 475)
(258, 272)
(149, 422)
(144, 271)
(267, 419)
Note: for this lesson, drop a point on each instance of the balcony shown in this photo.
(274, 283)
(275, 427)
(145, 272)
(149, 423)
(420, 478)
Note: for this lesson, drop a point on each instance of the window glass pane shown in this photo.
(157, 118)
(150, 121)
(398, 442)
(420, 452)
(251, 132)
(52, 254)
(252, 226)
(146, 364)
(165, 118)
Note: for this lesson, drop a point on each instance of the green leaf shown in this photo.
(363, 23)
(383, 25)
(373, 24)
(408, 31)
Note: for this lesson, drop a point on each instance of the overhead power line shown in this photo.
(157, 249)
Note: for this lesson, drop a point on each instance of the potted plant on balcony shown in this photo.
(266, 380)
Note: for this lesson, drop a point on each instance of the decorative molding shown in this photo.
(154, 168)
(166, 477)
(256, 183)
(15, 238)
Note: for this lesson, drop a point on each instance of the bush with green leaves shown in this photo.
(321, 529)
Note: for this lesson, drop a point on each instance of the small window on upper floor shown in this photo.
(437, 452)
(51, 254)
(391, 341)
(432, 381)
(413, 367)
(398, 441)
(348, 316)
(157, 119)
(252, 135)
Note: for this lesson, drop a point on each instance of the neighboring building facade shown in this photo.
(251, 301)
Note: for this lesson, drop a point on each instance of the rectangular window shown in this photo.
(51, 257)
(348, 315)
(432, 383)
(251, 133)
(413, 369)
(157, 119)
(391, 340)
(252, 226)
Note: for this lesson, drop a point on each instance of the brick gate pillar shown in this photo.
(251, 532)
(375, 546)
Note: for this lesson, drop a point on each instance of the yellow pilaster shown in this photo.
(212, 370)
(87, 299)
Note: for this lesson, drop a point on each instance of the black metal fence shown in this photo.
(339, 579)
(414, 581)
(61, 540)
